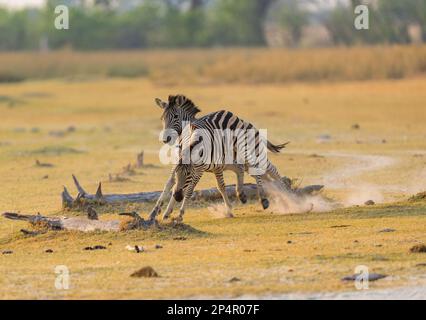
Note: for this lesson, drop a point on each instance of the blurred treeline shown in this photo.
(109, 24)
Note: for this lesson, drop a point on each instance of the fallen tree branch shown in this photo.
(62, 223)
(85, 199)
(44, 223)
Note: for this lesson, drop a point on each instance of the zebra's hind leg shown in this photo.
(221, 187)
(239, 171)
(272, 171)
(261, 192)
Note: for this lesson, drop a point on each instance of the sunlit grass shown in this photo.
(114, 119)
(221, 65)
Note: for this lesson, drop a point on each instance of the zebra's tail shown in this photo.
(276, 148)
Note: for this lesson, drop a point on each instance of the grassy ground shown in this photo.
(96, 127)
(236, 65)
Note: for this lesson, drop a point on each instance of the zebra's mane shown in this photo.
(181, 101)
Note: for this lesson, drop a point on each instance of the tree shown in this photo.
(292, 18)
(262, 9)
(238, 22)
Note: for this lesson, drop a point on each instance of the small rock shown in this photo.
(145, 272)
(369, 203)
(421, 265)
(355, 126)
(420, 248)
(45, 177)
(234, 279)
(180, 238)
(7, 252)
(387, 230)
(157, 246)
(289, 242)
(88, 248)
(384, 141)
(371, 277)
(49, 251)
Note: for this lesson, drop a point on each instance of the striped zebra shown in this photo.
(186, 111)
(180, 109)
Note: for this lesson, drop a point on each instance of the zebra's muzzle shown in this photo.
(167, 140)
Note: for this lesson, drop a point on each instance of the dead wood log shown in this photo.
(85, 199)
(64, 223)
(44, 223)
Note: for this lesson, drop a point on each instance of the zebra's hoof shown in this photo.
(178, 195)
(243, 198)
(265, 204)
(165, 217)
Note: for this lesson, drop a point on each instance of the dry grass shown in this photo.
(222, 65)
(115, 119)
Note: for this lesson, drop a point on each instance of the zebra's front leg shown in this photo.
(166, 191)
(261, 192)
(169, 208)
(221, 187)
(188, 191)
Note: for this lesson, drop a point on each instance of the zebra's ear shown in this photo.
(161, 103)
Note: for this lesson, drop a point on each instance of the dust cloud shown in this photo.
(285, 202)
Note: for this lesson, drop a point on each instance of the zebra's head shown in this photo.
(178, 110)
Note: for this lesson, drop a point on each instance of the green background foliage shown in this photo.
(202, 23)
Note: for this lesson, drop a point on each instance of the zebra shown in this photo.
(186, 112)
(179, 109)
